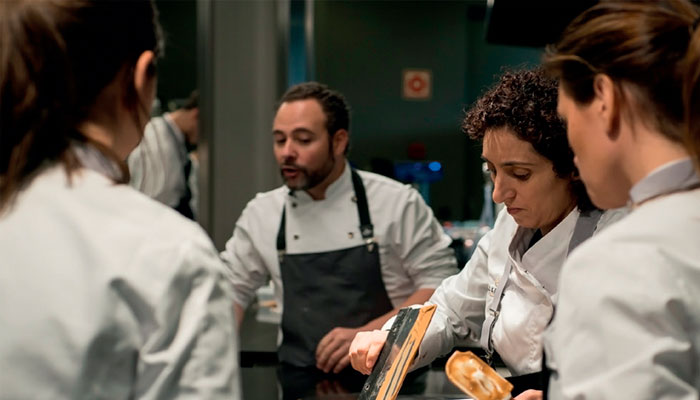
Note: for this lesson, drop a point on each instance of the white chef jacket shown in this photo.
(157, 164)
(528, 297)
(413, 247)
(107, 294)
(628, 321)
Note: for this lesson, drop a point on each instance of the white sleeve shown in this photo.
(422, 244)
(460, 302)
(619, 329)
(155, 165)
(147, 163)
(190, 345)
(246, 268)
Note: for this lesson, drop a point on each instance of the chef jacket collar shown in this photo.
(673, 176)
(92, 158)
(521, 239)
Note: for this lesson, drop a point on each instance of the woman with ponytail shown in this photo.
(104, 292)
(627, 325)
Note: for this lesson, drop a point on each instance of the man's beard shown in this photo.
(309, 179)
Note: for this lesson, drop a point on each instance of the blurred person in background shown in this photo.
(163, 165)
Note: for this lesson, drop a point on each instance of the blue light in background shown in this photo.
(435, 166)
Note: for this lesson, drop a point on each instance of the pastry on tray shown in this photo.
(476, 378)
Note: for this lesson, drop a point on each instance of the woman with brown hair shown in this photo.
(105, 293)
(628, 321)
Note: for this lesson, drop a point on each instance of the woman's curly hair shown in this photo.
(526, 102)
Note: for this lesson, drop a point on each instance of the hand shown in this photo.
(529, 395)
(365, 350)
(332, 350)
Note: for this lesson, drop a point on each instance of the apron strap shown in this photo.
(585, 226)
(281, 240)
(366, 227)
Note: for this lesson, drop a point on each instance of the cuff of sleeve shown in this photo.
(387, 325)
(243, 302)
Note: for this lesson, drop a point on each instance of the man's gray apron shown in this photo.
(341, 288)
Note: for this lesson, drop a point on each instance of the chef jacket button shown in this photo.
(294, 205)
(296, 237)
(350, 235)
(354, 199)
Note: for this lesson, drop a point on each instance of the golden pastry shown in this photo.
(476, 378)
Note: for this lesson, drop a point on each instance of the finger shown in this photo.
(337, 355)
(530, 395)
(360, 365)
(323, 362)
(324, 342)
(358, 356)
(373, 354)
(325, 348)
(341, 364)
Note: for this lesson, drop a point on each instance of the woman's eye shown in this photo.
(521, 176)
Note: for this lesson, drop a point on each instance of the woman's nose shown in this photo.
(501, 190)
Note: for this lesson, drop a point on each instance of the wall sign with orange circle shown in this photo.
(417, 84)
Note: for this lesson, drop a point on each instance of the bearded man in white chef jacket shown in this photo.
(344, 249)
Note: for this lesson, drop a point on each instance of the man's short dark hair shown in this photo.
(333, 103)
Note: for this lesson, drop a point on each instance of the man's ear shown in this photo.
(145, 78)
(340, 141)
(606, 104)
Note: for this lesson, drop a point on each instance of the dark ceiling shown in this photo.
(534, 23)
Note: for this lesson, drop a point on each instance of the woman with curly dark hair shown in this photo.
(504, 297)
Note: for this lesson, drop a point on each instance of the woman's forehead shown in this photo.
(502, 146)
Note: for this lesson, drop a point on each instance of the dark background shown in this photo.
(361, 48)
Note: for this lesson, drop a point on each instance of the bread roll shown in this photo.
(476, 378)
